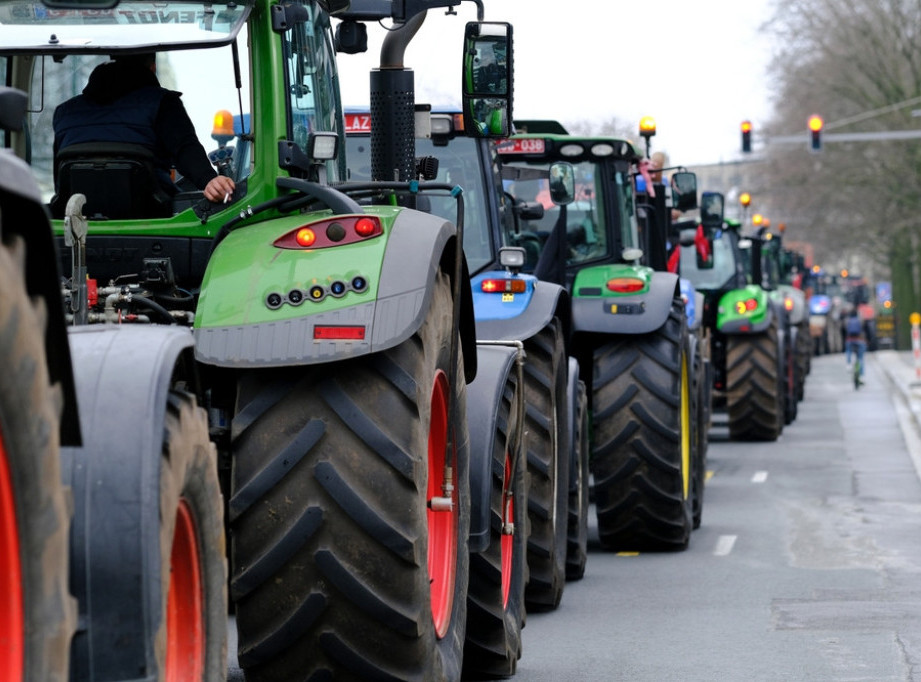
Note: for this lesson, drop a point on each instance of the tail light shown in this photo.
(626, 285)
(746, 306)
(504, 286)
(331, 232)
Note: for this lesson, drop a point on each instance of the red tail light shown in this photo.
(339, 333)
(504, 286)
(331, 232)
(625, 285)
(746, 306)
(366, 227)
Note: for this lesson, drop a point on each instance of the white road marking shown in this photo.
(724, 545)
(760, 477)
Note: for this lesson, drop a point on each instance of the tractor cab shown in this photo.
(599, 225)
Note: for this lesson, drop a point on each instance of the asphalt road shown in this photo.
(807, 565)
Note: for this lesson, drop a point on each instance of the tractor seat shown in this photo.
(118, 179)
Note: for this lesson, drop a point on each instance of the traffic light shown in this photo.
(815, 128)
(746, 136)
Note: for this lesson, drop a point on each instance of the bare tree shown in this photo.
(858, 64)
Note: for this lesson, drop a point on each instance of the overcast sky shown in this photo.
(696, 66)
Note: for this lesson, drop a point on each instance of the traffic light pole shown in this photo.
(804, 138)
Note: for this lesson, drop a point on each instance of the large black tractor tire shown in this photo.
(347, 562)
(754, 385)
(641, 452)
(495, 597)
(792, 379)
(548, 466)
(577, 533)
(803, 358)
(38, 616)
(192, 636)
(700, 438)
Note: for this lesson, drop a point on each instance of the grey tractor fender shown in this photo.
(799, 312)
(699, 302)
(483, 397)
(417, 245)
(648, 311)
(572, 397)
(405, 289)
(123, 377)
(547, 301)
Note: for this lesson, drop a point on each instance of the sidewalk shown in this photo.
(899, 370)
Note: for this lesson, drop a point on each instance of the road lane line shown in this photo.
(724, 545)
(760, 477)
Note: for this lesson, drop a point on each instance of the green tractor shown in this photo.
(779, 268)
(629, 327)
(751, 354)
(277, 383)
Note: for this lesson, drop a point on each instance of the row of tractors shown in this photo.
(362, 405)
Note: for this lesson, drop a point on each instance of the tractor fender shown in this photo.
(572, 399)
(417, 245)
(693, 303)
(24, 215)
(405, 290)
(483, 397)
(745, 327)
(635, 314)
(548, 301)
(798, 313)
(123, 376)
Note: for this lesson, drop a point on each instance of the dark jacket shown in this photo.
(124, 102)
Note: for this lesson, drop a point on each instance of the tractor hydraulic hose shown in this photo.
(156, 307)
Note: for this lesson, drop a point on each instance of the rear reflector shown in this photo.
(346, 333)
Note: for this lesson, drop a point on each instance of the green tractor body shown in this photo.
(299, 350)
(748, 325)
(629, 328)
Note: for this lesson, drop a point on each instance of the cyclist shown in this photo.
(855, 338)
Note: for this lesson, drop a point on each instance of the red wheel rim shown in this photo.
(506, 543)
(185, 648)
(442, 523)
(12, 616)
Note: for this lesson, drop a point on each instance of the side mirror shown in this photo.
(684, 190)
(487, 79)
(562, 183)
(711, 210)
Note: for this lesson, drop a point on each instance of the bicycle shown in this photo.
(858, 366)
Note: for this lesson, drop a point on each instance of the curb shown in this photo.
(899, 372)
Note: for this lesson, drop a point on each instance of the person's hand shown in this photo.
(219, 188)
